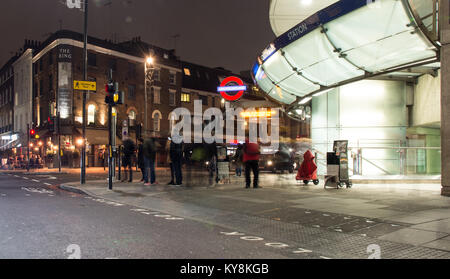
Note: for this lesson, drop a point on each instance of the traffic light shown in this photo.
(110, 89)
(113, 95)
(32, 133)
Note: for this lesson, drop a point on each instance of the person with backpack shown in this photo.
(251, 161)
(128, 152)
(149, 149)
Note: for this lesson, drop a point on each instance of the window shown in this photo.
(172, 101)
(156, 95)
(173, 78)
(157, 120)
(132, 115)
(204, 99)
(40, 64)
(132, 92)
(92, 59)
(41, 88)
(187, 72)
(185, 97)
(156, 75)
(91, 114)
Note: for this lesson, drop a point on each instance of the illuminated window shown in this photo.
(157, 120)
(91, 114)
(132, 115)
(185, 97)
(187, 72)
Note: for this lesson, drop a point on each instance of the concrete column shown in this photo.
(444, 10)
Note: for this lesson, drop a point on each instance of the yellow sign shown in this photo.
(257, 114)
(85, 85)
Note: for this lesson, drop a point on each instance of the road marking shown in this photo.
(338, 230)
(325, 258)
(16, 176)
(175, 218)
(150, 213)
(277, 245)
(28, 195)
(48, 184)
(163, 216)
(3, 195)
(252, 238)
(25, 178)
(232, 233)
(35, 180)
(301, 251)
(138, 210)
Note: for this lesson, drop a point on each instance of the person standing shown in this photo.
(169, 161)
(149, 149)
(251, 161)
(141, 160)
(128, 152)
(176, 156)
(238, 159)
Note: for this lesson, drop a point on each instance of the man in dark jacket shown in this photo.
(149, 149)
(128, 153)
(251, 161)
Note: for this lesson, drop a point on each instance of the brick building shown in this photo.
(7, 134)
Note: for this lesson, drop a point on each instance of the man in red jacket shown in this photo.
(251, 161)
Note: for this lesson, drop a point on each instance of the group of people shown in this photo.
(21, 162)
(247, 155)
(146, 160)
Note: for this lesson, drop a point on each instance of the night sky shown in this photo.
(227, 33)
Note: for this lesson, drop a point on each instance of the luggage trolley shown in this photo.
(337, 166)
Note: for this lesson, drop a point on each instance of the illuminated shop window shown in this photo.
(91, 114)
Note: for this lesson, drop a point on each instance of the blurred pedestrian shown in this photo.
(141, 158)
(169, 161)
(251, 161)
(128, 152)
(238, 157)
(176, 156)
(149, 149)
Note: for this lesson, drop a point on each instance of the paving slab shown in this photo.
(413, 236)
(436, 226)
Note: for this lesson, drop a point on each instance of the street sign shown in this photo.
(232, 84)
(85, 85)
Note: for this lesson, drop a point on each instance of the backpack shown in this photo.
(252, 149)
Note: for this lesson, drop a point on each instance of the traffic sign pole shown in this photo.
(85, 58)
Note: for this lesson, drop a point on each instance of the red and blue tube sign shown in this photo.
(232, 84)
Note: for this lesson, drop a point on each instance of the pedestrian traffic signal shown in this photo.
(113, 95)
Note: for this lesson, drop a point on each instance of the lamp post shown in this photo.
(149, 71)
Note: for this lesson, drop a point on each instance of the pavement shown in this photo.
(368, 220)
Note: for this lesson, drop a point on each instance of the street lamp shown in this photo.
(149, 71)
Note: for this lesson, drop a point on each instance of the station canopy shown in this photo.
(348, 41)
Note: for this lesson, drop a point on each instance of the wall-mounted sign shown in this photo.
(232, 84)
(65, 53)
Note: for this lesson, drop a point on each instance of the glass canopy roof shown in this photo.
(348, 41)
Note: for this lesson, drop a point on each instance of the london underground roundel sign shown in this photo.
(229, 85)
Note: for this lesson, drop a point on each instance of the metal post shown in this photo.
(28, 147)
(146, 98)
(59, 140)
(85, 60)
(110, 154)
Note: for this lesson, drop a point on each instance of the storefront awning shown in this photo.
(348, 41)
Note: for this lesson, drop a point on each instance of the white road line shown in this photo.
(325, 258)
(35, 180)
(138, 210)
(48, 184)
(163, 216)
(25, 178)
(3, 195)
(175, 218)
(16, 176)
